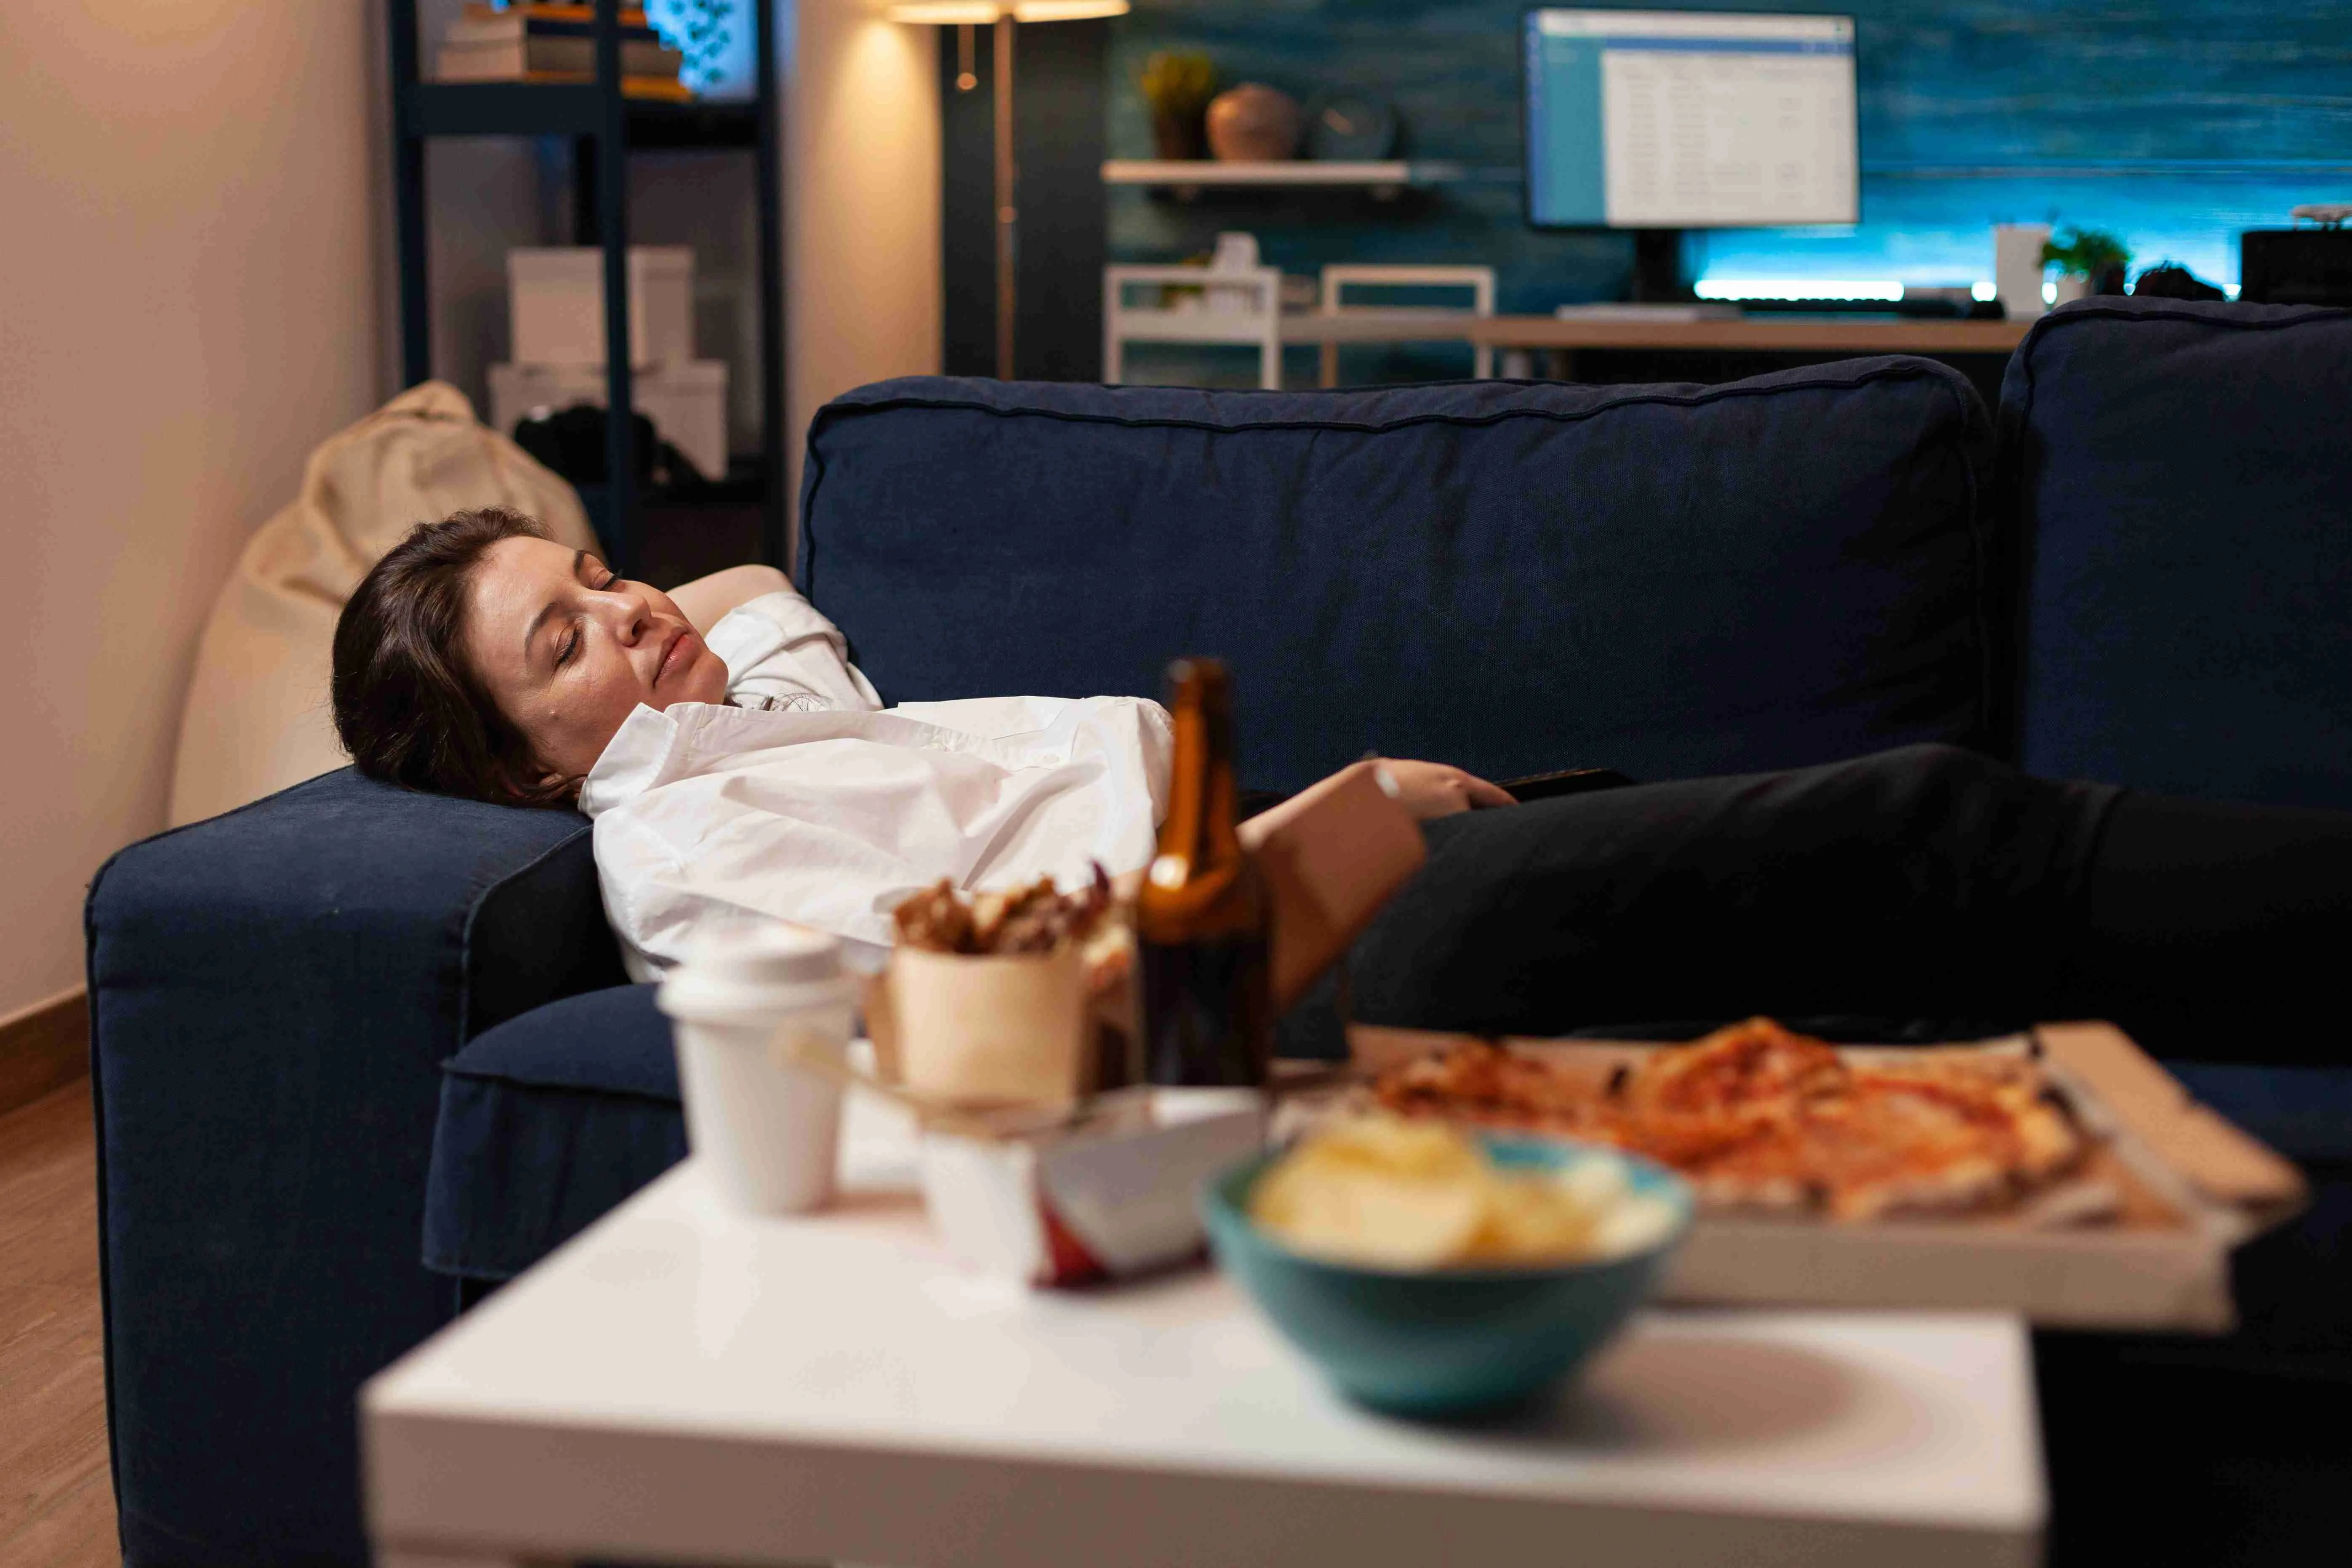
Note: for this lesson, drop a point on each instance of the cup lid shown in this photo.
(770, 955)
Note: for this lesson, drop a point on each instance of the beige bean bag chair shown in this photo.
(256, 718)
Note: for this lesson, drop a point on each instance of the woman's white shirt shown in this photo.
(804, 800)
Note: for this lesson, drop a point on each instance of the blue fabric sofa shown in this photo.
(359, 1055)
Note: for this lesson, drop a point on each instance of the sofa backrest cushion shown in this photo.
(2181, 475)
(1668, 580)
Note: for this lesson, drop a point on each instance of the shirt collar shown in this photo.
(632, 761)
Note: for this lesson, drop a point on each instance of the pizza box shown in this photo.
(2138, 1238)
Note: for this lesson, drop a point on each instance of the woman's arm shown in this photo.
(707, 600)
(1425, 789)
(1440, 789)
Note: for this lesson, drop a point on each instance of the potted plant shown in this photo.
(1178, 87)
(2089, 261)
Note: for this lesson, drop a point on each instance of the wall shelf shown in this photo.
(1191, 174)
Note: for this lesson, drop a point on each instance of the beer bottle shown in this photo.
(1202, 918)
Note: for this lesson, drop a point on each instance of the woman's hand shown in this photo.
(1435, 789)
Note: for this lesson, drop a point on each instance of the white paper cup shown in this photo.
(989, 1030)
(767, 1132)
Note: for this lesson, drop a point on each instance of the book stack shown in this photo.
(546, 42)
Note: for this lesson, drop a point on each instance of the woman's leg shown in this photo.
(2215, 931)
(1929, 883)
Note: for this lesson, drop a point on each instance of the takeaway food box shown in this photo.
(2137, 1236)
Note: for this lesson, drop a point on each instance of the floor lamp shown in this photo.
(1002, 14)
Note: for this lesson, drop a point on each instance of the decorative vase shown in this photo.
(1254, 124)
(1351, 131)
(1179, 135)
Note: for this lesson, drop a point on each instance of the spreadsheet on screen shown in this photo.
(1685, 119)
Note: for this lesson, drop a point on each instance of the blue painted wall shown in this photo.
(2174, 124)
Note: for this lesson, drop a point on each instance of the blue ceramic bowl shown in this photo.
(1445, 1342)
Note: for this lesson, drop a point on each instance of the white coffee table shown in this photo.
(680, 1384)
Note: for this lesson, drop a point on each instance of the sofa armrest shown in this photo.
(271, 994)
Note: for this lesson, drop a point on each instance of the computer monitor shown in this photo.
(1670, 119)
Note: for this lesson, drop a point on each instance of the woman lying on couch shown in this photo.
(740, 770)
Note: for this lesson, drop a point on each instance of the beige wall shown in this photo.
(862, 204)
(188, 276)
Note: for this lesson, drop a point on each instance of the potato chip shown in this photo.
(1329, 1210)
(1392, 1193)
(1532, 1218)
(1636, 1224)
(1594, 1183)
(1396, 1146)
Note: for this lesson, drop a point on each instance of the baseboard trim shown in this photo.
(43, 1048)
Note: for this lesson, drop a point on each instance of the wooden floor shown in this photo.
(57, 1501)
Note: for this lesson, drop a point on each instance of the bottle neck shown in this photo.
(1204, 801)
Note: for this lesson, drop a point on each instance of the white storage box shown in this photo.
(686, 403)
(555, 305)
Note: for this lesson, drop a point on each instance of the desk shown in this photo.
(1785, 334)
(1765, 333)
(680, 1383)
(1285, 329)
(1357, 324)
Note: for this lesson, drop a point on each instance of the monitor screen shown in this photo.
(1690, 119)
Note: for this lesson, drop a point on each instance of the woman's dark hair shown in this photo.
(408, 706)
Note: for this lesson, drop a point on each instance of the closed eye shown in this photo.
(571, 646)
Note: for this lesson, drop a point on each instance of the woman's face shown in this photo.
(568, 650)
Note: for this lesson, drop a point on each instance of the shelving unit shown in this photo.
(603, 127)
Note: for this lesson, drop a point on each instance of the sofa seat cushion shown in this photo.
(1669, 580)
(546, 1123)
(2184, 490)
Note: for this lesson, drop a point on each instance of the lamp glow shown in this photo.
(945, 12)
(1067, 10)
(983, 12)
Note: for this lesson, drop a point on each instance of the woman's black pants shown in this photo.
(1917, 893)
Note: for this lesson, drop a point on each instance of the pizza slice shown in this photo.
(1760, 1118)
